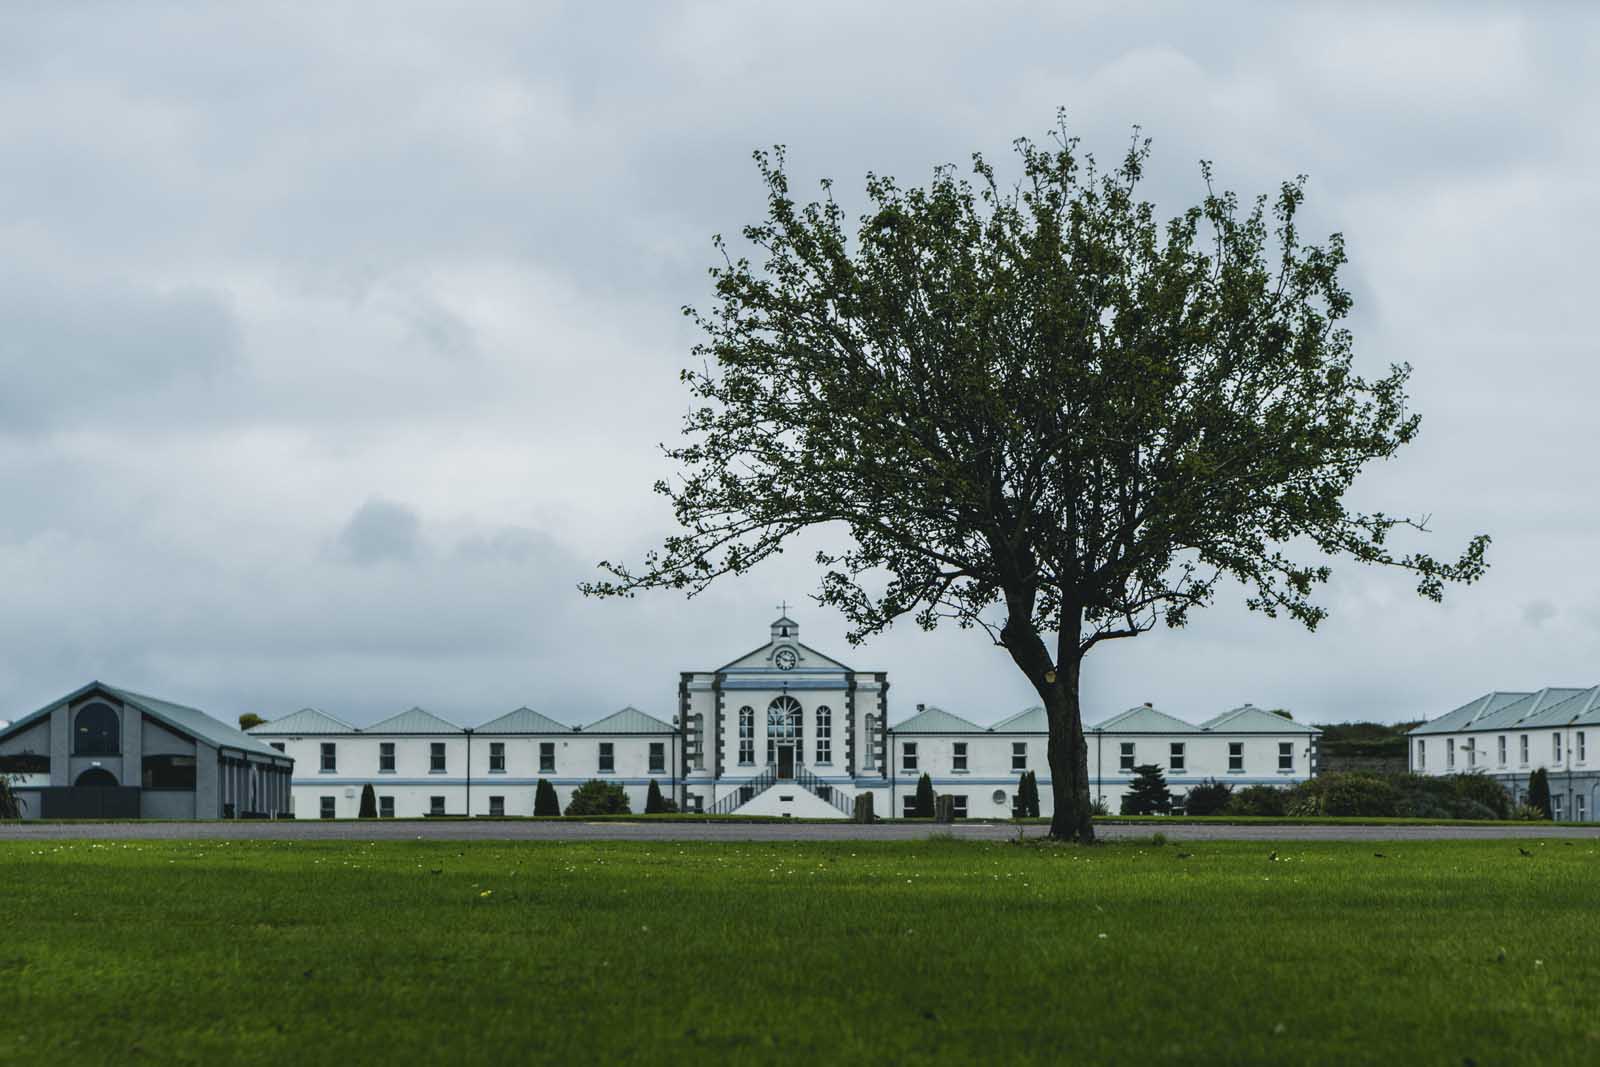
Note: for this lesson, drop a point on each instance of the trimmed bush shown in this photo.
(1539, 791)
(1352, 794)
(545, 801)
(369, 802)
(655, 803)
(597, 797)
(1027, 805)
(1265, 800)
(922, 807)
(1147, 794)
(1483, 791)
(1210, 797)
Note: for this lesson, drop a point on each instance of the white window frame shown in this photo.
(1580, 808)
(386, 807)
(1178, 758)
(1127, 756)
(958, 757)
(1472, 752)
(328, 808)
(1500, 749)
(1555, 746)
(1019, 755)
(547, 765)
(908, 756)
(1422, 754)
(747, 736)
(658, 757)
(1557, 807)
(329, 753)
(497, 758)
(1522, 748)
(436, 806)
(1286, 756)
(438, 758)
(824, 735)
(497, 802)
(606, 757)
(1581, 745)
(958, 805)
(385, 757)
(1235, 757)
(1450, 753)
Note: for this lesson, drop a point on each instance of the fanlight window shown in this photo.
(783, 725)
(97, 731)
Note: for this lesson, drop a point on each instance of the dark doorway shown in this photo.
(96, 778)
(785, 761)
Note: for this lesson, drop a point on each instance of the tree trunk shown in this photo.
(1072, 818)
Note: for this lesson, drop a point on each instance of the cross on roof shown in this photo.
(783, 608)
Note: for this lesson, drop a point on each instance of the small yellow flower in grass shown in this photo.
(487, 893)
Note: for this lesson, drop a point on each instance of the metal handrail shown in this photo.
(745, 792)
(822, 790)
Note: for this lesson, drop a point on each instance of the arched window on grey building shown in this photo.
(783, 726)
(824, 734)
(747, 734)
(96, 731)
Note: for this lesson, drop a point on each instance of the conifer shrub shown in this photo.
(1210, 797)
(1147, 794)
(655, 803)
(545, 801)
(1027, 803)
(598, 797)
(1539, 792)
(922, 807)
(369, 802)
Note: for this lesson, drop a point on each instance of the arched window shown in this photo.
(747, 734)
(97, 731)
(824, 734)
(96, 778)
(871, 761)
(783, 725)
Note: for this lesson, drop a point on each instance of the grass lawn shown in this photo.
(938, 951)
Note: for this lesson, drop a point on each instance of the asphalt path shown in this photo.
(576, 830)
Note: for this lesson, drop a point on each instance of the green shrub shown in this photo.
(1539, 791)
(1027, 805)
(1210, 797)
(369, 802)
(11, 805)
(922, 806)
(1147, 794)
(597, 797)
(545, 801)
(1098, 807)
(1352, 794)
(1484, 792)
(1258, 800)
(655, 803)
(1526, 813)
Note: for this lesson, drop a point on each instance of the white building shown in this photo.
(1508, 736)
(782, 730)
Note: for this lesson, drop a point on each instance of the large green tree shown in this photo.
(1032, 407)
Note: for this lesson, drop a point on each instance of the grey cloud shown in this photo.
(1538, 612)
(380, 530)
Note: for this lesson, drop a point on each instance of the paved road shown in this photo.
(316, 830)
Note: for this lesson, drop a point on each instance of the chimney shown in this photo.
(1148, 704)
(922, 707)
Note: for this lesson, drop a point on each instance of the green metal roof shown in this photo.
(932, 720)
(629, 720)
(414, 721)
(1249, 719)
(197, 723)
(1461, 718)
(1143, 719)
(1552, 706)
(1032, 720)
(305, 721)
(523, 721)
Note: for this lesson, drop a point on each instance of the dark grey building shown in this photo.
(103, 752)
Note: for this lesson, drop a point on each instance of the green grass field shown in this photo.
(936, 952)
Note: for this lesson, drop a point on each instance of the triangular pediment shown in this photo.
(762, 659)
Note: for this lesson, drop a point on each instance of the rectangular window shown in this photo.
(1422, 755)
(824, 734)
(1285, 755)
(547, 757)
(1235, 755)
(959, 805)
(1522, 748)
(908, 755)
(1580, 808)
(1583, 749)
(1500, 749)
(1472, 752)
(1126, 759)
(436, 757)
(608, 757)
(386, 807)
(436, 805)
(497, 805)
(330, 757)
(385, 757)
(328, 807)
(1557, 803)
(658, 757)
(908, 806)
(697, 802)
(958, 756)
(497, 757)
(1450, 753)
(1019, 755)
(1555, 747)
(1178, 761)
(278, 745)
(747, 735)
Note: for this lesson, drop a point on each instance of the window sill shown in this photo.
(382, 771)
(502, 770)
(438, 772)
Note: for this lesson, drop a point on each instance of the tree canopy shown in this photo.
(1035, 399)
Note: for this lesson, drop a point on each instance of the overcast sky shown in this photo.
(337, 342)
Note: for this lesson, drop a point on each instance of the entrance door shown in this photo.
(785, 761)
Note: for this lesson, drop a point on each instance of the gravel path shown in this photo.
(316, 830)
